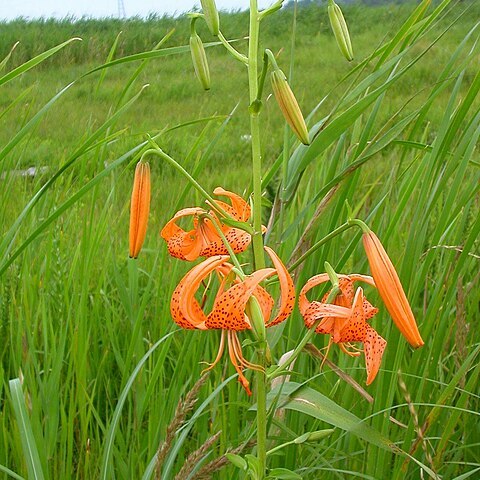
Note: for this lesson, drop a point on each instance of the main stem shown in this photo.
(255, 132)
(257, 240)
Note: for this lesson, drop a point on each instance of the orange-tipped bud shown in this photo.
(391, 290)
(289, 106)
(139, 208)
(199, 59)
(340, 30)
(211, 16)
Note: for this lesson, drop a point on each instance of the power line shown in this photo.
(121, 9)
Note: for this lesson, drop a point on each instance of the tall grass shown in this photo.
(101, 367)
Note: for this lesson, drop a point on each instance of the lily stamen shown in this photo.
(241, 377)
(221, 349)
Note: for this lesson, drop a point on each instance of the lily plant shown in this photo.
(222, 293)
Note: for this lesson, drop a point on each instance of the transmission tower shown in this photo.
(121, 9)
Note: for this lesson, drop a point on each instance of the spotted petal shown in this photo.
(287, 289)
(374, 346)
(229, 309)
(239, 209)
(184, 307)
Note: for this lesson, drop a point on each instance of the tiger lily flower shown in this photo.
(139, 207)
(346, 319)
(229, 307)
(390, 289)
(203, 239)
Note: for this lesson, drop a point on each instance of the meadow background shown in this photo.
(76, 317)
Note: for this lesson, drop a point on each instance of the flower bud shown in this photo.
(340, 30)
(288, 105)
(211, 16)
(314, 436)
(390, 289)
(199, 59)
(139, 208)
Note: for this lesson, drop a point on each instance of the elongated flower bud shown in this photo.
(390, 289)
(211, 16)
(139, 208)
(340, 30)
(288, 105)
(199, 59)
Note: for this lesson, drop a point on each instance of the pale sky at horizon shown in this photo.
(10, 9)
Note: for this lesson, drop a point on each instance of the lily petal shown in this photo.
(184, 308)
(331, 313)
(374, 346)
(241, 209)
(229, 308)
(287, 289)
(356, 328)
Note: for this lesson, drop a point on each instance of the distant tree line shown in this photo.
(305, 3)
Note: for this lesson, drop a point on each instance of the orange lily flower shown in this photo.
(346, 319)
(390, 289)
(203, 240)
(229, 308)
(139, 208)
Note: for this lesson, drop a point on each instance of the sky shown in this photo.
(10, 9)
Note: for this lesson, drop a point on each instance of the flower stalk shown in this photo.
(257, 240)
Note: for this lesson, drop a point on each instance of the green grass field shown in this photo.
(88, 332)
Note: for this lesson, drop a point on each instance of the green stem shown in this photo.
(235, 53)
(158, 151)
(260, 378)
(257, 240)
(348, 224)
(233, 257)
(279, 447)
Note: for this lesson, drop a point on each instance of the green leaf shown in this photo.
(34, 62)
(237, 460)
(283, 473)
(29, 445)
(106, 469)
(294, 396)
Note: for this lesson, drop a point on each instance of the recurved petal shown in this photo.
(238, 239)
(374, 346)
(329, 312)
(391, 290)
(303, 302)
(229, 309)
(184, 307)
(185, 245)
(357, 277)
(171, 227)
(356, 327)
(241, 209)
(287, 289)
(265, 301)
